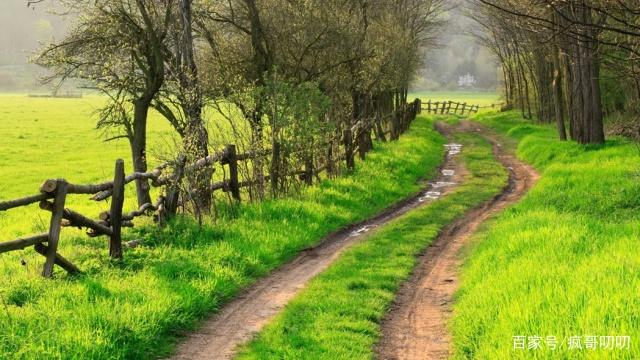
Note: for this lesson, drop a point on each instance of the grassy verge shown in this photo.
(338, 315)
(563, 262)
(134, 309)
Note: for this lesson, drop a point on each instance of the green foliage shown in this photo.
(338, 314)
(564, 261)
(134, 309)
(296, 113)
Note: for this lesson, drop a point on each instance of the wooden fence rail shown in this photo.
(54, 192)
(454, 107)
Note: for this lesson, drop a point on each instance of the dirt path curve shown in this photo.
(239, 320)
(416, 326)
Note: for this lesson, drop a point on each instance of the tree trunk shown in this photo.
(138, 146)
(557, 94)
(196, 140)
(583, 70)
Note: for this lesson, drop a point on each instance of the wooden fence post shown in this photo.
(348, 148)
(234, 183)
(117, 201)
(429, 107)
(455, 111)
(449, 107)
(173, 189)
(418, 106)
(464, 106)
(58, 260)
(54, 226)
(444, 105)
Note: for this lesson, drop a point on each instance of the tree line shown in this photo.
(569, 62)
(286, 75)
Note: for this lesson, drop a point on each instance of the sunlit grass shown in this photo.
(563, 262)
(43, 138)
(470, 97)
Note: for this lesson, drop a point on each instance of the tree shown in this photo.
(520, 31)
(120, 46)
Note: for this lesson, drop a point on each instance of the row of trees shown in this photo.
(287, 76)
(569, 59)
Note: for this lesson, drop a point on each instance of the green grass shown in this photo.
(563, 262)
(337, 316)
(46, 138)
(470, 97)
(54, 137)
(134, 309)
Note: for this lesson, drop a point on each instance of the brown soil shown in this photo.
(416, 326)
(239, 320)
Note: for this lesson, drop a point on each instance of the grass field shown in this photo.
(337, 316)
(471, 98)
(564, 262)
(45, 138)
(133, 309)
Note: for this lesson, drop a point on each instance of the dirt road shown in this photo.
(238, 321)
(416, 326)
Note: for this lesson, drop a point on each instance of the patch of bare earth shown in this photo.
(239, 320)
(416, 326)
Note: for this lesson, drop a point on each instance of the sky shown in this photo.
(22, 28)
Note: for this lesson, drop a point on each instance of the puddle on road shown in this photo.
(362, 230)
(453, 149)
(430, 195)
(441, 184)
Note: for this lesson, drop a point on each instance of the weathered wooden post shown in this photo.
(60, 188)
(455, 111)
(234, 183)
(347, 138)
(464, 107)
(418, 106)
(115, 215)
(444, 105)
(173, 189)
(429, 107)
(449, 107)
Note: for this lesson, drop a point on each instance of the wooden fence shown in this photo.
(454, 107)
(54, 192)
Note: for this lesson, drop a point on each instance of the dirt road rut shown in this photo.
(416, 326)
